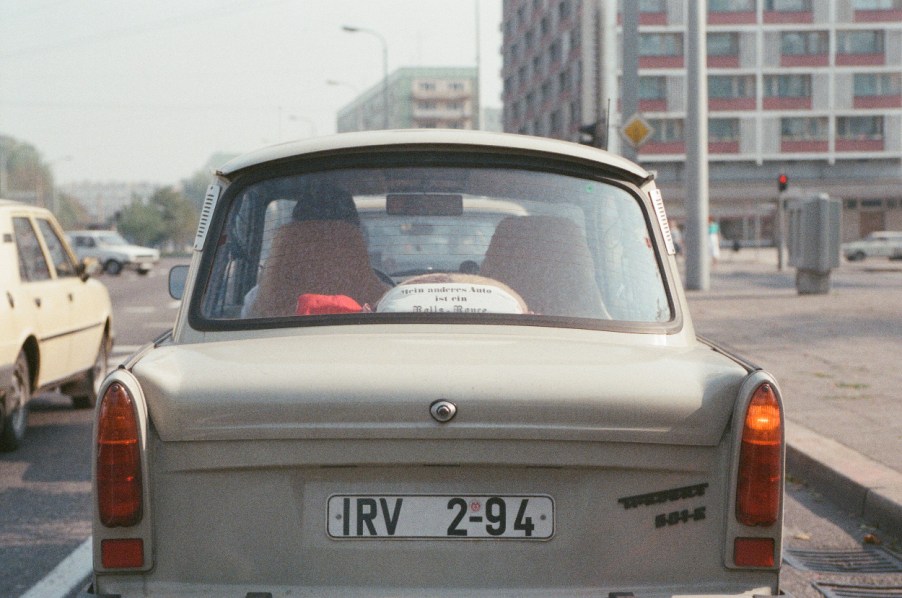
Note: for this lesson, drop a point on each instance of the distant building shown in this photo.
(812, 88)
(419, 98)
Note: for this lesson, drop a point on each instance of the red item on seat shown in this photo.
(310, 304)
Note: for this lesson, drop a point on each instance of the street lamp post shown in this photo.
(351, 29)
(358, 111)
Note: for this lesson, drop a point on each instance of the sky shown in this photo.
(135, 91)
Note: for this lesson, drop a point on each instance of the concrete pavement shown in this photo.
(838, 360)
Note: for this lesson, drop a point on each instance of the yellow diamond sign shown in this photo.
(637, 131)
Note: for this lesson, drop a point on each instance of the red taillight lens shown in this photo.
(760, 462)
(119, 491)
(753, 552)
(125, 553)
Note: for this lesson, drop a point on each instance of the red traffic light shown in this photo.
(782, 182)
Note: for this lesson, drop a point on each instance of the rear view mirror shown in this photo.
(178, 276)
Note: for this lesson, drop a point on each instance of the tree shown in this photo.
(141, 223)
(179, 215)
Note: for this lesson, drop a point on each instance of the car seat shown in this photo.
(547, 260)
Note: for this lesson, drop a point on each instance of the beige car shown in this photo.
(55, 321)
(422, 363)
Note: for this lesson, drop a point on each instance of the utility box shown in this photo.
(814, 240)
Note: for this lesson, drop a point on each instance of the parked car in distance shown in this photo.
(55, 321)
(431, 362)
(882, 243)
(112, 251)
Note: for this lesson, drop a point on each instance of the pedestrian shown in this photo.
(714, 239)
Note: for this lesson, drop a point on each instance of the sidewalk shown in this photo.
(838, 361)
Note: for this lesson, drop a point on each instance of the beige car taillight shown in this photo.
(759, 481)
(118, 467)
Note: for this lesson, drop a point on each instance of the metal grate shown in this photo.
(860, 560)
(836, 590)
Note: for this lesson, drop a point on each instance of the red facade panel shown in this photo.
(773, 16)
(787, 103)
(859, 145)
(891, 101)
(661, 62)
(790, 146)
(732, 18)
(731, 103)
(804, 60)
(860, 59)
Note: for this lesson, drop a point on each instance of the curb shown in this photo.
(863, 486)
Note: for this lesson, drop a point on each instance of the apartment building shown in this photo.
(810, 88)
(417, 97)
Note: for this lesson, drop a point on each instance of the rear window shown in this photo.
(378, 243)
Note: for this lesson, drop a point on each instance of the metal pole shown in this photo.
(381, 39)
(609, 89)
(477, 104)
(697, 237)
(630, 77)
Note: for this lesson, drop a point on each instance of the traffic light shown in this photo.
(782, 182)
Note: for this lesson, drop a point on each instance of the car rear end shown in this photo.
(444, 438)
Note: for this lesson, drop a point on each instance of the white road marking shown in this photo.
(139, 309)
(66, 576)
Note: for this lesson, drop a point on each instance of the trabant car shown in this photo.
(431, 363)
(55, 321)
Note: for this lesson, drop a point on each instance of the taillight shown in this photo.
(760, 461)
(119, 490)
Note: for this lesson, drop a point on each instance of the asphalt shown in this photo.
(837, 358)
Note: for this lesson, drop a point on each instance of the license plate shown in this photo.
(518, 517)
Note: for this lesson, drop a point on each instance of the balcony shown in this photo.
(804, 60)
(804, 146)
(723, 104)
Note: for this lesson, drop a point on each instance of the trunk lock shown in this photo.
(443, 411)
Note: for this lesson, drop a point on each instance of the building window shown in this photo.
(787, 5)
(859, 128)
(427, 86)
(666, 130)
(730, 87)
(723, 44)
(660, 44)
(564, 9)
(731, 5)
(723, 129)
(803, 129)
(877, 84)
(859, 42)
(652, 88)
(796, 43)
(787, 86)
(652, 5)
(876, 4)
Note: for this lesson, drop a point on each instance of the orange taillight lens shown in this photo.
(119, 490)
(760, 460)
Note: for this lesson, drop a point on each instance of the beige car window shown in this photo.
(32, 263)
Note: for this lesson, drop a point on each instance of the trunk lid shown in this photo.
(527, 383)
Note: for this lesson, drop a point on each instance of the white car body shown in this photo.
(112, 251)
(51, 314)
(881, 243)
(401, 450)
